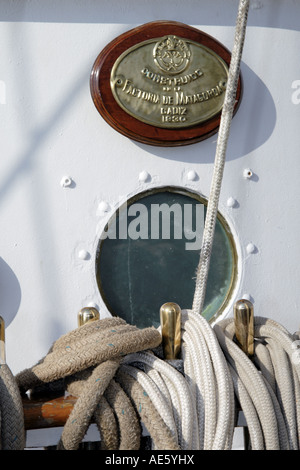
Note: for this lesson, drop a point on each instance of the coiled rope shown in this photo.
(268, 386)
(208, 373)
(89, 358)
(189, 404)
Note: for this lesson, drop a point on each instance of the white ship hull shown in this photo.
(64, 170)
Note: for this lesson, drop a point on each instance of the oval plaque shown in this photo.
(162, 89)
(170, 82)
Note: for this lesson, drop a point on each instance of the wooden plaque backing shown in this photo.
(128, 125)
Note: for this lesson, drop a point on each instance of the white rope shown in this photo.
(223, 135)
(218, 396)
(181, 398)
(162, 405)
(199, 406)
(254, 427)
(275, 398)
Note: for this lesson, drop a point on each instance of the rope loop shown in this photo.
(88, 359)
(267, 385)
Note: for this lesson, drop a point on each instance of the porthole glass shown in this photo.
(142, 263)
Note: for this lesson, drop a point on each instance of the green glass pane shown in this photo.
(137, 276)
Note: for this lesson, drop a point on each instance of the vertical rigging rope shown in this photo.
(223, 135)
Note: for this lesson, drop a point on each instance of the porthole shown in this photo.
(139, 266)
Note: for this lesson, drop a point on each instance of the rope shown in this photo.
(152, 390)
(160, 433)
(86, 404)
(207, 369)
(11, 412)
(129, 429)
(188, 404)
(12, 436)
(223, 136)
(85, 347)
(268, 386)
(181, 400)
(89, 359)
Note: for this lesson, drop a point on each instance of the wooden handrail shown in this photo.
(50, 412)
(47, 413)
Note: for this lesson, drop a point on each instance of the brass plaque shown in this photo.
(170, 82)
(162, 83)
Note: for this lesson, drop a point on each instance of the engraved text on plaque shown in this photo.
(170, 82)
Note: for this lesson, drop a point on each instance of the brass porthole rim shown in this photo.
(202, 199)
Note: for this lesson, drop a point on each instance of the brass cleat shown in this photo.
(87, 315)
(170, 320)
(244, 325)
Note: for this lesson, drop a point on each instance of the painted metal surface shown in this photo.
(63, 170)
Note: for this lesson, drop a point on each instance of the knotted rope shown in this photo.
(88, 359)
